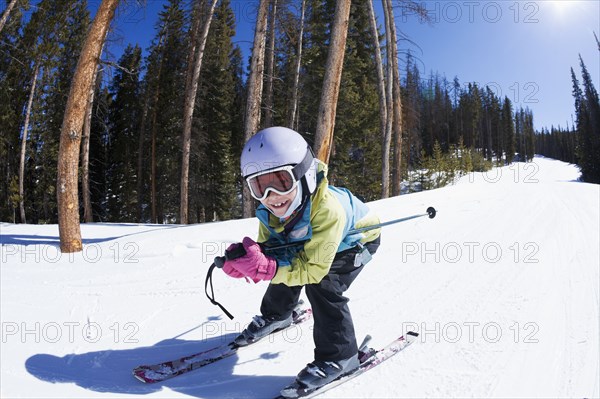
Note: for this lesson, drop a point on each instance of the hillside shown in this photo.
(503, 286)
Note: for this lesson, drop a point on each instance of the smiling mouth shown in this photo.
(278, 205)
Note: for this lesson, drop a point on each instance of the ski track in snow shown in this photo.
(503, 286)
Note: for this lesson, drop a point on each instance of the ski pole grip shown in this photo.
(219, 261)
(236, 252)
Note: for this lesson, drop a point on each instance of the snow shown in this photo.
(503, 286)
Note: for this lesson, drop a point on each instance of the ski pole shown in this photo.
(431, 212)
(239, 251)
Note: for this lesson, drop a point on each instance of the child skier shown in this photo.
(298, 206)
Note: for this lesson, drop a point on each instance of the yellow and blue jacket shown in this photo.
(323, 229)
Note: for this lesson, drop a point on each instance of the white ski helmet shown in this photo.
(276, 147)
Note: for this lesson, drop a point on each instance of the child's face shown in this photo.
(278, 204)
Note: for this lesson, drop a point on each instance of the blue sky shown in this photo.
(521, 49)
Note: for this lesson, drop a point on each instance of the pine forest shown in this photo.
(396, 130)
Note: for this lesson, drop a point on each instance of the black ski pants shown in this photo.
(333, 332)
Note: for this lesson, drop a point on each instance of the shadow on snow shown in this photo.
(35, 239)
(111, 371)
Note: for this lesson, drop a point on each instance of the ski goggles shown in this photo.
(281, 180)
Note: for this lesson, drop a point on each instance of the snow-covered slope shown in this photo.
(503, 286)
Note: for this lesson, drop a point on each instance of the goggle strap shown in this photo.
(301, 168)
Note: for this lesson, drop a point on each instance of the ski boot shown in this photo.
(259, 328)
(319, 372)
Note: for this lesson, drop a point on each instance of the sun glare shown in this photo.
(561, 6)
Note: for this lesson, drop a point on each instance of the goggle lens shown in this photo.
(281, 181)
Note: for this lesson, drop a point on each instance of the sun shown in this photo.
(562, 6)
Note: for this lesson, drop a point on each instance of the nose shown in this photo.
(272, 193)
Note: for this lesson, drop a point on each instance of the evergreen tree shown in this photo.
(470, 111)
(439, 165)
(318, 23)
(213, 165)
(124, 116)
(237, 124)
(72, 21)
(464, 155)
(492, 139)
(557, 143)
(525, 134)
(164, 82)
(237, 129)
(587, 118)
(135, 151)
(530, 136)
(286, 56)
(49, 42)
(290, 60)
(444, 104)
(356, 159)
(508, 130)
(412, 112)
(15, 80)
(590, 132)
(100, 156)
(429, 122)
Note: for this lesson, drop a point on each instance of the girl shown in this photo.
(298, 206)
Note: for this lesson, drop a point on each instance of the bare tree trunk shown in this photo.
(188, 109)
(140, 160)
(387, 137)
(294, 106)
(24, 143)
(142, 140)
(194, 66)
(70, 135)
(397, 104)
(383, 116)
(6, 13)
(270, 67)
(88, 215)
(153, 160)
(155, 98)
(331, 82)
(398, 140)
(255, 86)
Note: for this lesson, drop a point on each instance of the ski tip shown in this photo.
(411, 336)
(292, 391)
(139, 375)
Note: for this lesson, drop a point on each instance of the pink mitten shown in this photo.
(228, 267)
(255, 264)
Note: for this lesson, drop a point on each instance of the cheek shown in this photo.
(290, 197)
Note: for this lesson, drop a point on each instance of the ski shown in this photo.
(162, 371)
(369, 358)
